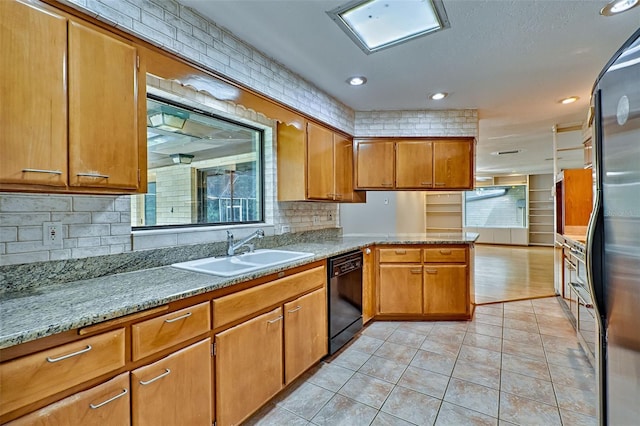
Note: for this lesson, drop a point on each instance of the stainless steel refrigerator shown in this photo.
(613, 240)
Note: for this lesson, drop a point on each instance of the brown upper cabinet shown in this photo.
(415, 163)
(73, 110)
(315, 164)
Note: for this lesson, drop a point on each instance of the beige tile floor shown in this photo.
(515, 363)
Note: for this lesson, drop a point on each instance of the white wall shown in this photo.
(375, 217)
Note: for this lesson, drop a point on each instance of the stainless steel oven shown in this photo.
(345, 298)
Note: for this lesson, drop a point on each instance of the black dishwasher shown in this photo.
(345, 298)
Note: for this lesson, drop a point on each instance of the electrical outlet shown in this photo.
(285, 229)
(329, 216)
(316, 220)
(52, 234)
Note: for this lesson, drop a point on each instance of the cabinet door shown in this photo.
(248, 367)
(33, 110)
(453, 164)
(374, 160)
(368, 285)
(446, 289)
(305, 333)
(414, 164)
(103, 110)
(103, 405)
(319, 163)
(400, 289)
(343, 168)
(175, 390)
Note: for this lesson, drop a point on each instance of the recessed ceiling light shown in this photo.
(357, 80)
(377, 24)
(618, 6)
(569, 100)
(438, 96)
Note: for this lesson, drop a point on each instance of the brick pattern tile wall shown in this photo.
(463, 122)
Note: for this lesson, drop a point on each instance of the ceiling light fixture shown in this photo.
(169, 122)
(618, 6)
(378, 24)
(181, 158)
(569, 100)
(357, 80)
(438, 96)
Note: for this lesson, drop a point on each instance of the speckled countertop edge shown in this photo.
(48, 310)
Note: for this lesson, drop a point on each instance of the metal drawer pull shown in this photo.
(94, 175)
(275, 320)
(445, 251)
(416, 271)
(387, 184)
(187, 315)
(425, 183)
(166, 373)
(297, 308)
(87, 349)
(53, 172)
(431, 271)
(121, 394)
(401, 252)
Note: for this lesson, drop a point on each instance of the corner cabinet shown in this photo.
(415, 163)
(73, 110)
(315, 164)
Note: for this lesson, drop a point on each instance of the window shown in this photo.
(202, 170)
(496, 207)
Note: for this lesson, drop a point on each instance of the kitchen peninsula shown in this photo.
(127, 319)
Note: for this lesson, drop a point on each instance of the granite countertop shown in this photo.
(50, 309)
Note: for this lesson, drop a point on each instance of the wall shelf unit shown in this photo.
(541, 216)
(443, 211)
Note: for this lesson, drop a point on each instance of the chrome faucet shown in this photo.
(232, 247)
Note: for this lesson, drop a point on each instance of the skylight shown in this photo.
(378, 24)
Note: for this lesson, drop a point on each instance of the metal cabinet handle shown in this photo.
(386, 184)
(53, 172)
(431, 271)
(87, 349)
(440, 184)
(416, 271)
(296, 309)
(425, 183)
(401, 252)
(446, 252)
(367, 251)
(330, 195)
(187, 315)
(148, 382)
(93, 175)
(120, 395)
(338, 196)
(275, 320)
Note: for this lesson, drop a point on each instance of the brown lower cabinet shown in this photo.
(400, 289)
(248, 366)
(446, 289)
(251, 366)
(103, 405)
(174, 390)
(424, 282)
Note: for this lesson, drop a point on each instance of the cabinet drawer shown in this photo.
(247, 302)
(34, 377)
(163, 332)
(399, 255)
(445, 255)
(105, 404)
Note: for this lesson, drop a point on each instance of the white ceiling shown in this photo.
(511, 59)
